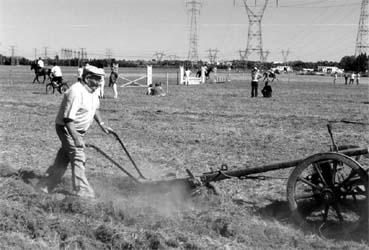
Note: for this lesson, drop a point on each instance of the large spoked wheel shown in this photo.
(49, 88)
(328, 192)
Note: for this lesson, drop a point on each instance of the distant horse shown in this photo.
(270, 74)
(40, 72)
(207, 72)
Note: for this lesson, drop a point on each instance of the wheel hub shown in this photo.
(328, 196)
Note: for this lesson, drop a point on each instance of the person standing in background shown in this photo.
(79, 73)
(335, 76)
(114, 78)
(255, 76)
(352, 78)
(102, 84)
(40, 63)
(357, 78)
(346, 78)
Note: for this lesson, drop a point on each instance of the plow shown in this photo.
(326, 190)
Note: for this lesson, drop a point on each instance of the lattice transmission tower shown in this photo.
(212, 55)
(362, 39)
(254, 37)
(159, 56)
(193, 7)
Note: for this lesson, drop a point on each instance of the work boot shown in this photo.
(41, 186)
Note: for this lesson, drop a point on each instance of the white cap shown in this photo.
(93, 70)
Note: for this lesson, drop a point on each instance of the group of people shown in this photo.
(77, 111)
(155, 89)
(349, 78)
(56, 76)
(267, 89)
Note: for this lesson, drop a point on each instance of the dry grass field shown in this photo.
(193, 127)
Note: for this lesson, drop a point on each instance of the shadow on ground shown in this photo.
(279, 210)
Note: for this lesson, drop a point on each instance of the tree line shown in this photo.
(348, 63)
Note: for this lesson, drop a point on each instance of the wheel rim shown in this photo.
(328, 192)
(63, 88)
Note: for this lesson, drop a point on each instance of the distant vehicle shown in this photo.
(282, 69)
(330, 70)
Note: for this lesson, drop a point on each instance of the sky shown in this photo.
(311, 30)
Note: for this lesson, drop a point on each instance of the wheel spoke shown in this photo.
(309, 183)
(354, 197)
(334, 172)
(318, 170)
(352, 174)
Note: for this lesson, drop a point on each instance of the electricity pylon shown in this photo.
(212, 55)
(254, 37)
(193, 7)
(285, 54)
(159, 56)
(362, 39)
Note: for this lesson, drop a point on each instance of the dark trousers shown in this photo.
(254, 89)
(57, 79)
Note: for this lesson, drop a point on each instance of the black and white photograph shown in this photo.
(184, 124)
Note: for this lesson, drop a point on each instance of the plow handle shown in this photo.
(114, 162)
(329, 126)
(126, 151)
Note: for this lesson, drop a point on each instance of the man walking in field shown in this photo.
(255, 76)
(77, 111)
